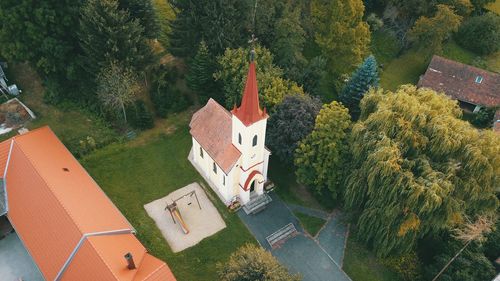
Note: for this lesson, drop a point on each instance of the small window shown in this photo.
(479, 79)
(254, 141)
(239, 138)
(201, 152)
(223, 180)
(215, 168)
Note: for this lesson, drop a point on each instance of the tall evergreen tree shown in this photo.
(144, 11)
(221, 23)
(109, 34)
(417, 168)
(341, 33)
(201, 70)
(288, 43)
(365, 77)
(320, 157)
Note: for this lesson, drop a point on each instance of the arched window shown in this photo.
(215, 168)
(239, 138)
(201, 152)
(254, 141)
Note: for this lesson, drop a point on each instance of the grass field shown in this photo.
(361, 265)
(149, 167)
(311, 224)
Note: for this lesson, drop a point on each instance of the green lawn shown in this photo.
(135, 173)
(311, 224)
(361, 265)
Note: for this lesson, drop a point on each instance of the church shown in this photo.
(228, 146)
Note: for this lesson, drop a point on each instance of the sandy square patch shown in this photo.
(201, 223)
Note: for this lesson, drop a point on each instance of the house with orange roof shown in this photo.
(228, 146)
(67, 224)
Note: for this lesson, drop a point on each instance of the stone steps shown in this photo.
(257, 204)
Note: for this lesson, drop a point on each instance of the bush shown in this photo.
(480, 34)
(165, 95)
(407, 266)
(484, 118)
(374, 21)
(139, 116)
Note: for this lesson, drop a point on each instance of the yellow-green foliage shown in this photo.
(253, 263)
(320, 156)
(429, 33)
(233, 73)
(407, 266)
(417, 168)
(341, 33)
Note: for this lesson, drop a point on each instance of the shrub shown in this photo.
(165, 95)
(480, 34)
(374, 22)
(407, 266)
(139, 116)
(484, 117)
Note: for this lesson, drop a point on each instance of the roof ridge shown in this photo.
(154, 271)
(220, 105)
(102, 259)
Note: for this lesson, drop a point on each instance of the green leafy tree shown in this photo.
(110, 34)
(320, 157)
(233, 70)
(42, 33)
(480, 34)
(144, 11)
(491, 246)
(117, 87)
(312, 75)
(201, 69)
(222, 24)
(417, 168)
(364, 78)
(288, 43)
(139, 116)
(293, 120)
(479, 4)
(164, 93)
(430, 33)
(341, 33)
(252, 263)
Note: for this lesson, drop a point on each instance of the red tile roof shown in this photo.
(249, 111)
(459, 81)
(211, 127)
(54, 205)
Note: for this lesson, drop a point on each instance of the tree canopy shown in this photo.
(417, 168)
(480, 34)
(320, 156)
(222, 24)
(110, 34)
(233, 69)
(429, 33)
(341, 33)
(365, 77)
(251, 263)
(291, 122)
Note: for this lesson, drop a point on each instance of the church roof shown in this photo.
(211, 127)
(249, 111)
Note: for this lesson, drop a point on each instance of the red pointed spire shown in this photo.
(249, 111)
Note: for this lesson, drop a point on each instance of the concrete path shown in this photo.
(15, 262)
(301, 253)
(333, 237)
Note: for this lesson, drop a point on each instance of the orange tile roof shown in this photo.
(249, 111)
(56, 207)
(211, 127)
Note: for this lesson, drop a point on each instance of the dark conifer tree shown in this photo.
(201, 70)
(144, 11)
(110, 34)
(362, 79)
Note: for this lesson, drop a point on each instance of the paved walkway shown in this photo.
(15, 262)
(314, 259)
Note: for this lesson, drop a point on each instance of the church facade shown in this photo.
(229, 146)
